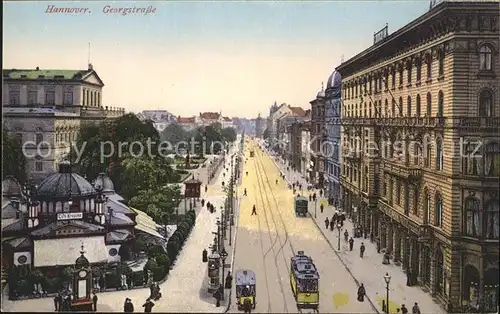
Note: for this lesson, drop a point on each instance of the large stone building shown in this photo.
(275, 113)
(431, 88)
(332, 147)
(45, 108)
(294, 115)
(160, 118)
(318, 138)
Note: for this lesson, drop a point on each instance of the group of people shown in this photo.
(62, 301)
(210, 206)
(128, 306)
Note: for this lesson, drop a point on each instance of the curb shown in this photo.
(336, 253)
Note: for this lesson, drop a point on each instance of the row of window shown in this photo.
(50, 98)
(485, 107)
(358, 86)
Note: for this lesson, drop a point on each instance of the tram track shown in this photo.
(260, 165)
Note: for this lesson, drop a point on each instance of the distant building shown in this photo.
(188, 123)
(45, 108)
(208, 118)
(259, 127)
(318, 138)
(160, 118)
(294, 114)
(276, 113)
(227, 122)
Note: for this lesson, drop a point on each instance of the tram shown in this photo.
(246, 284)
(304, 279)
(301, 205)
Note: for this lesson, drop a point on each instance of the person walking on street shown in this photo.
(346, 236)
(351, 244)
(404, 310)
(362, 250)
(94, 302)
(327, 223)
(361, 293)
(415, 309)
(206, 188)
(335, 218)
(57, 302)
(276, 181)
(314, 197)
(321, 193)
(321, 207)
(245, 192)
(332, 224)
(148, 306)
(128, 307)
(254, 211)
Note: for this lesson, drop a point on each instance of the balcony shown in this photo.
(477, 124)
(411, 173)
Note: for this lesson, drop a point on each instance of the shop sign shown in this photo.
(69, 216)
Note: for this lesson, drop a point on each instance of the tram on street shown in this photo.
(304, 279)
(301, 205)
(245, 289)
(214, 264)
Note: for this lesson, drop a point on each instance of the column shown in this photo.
(390, 237)
(406, 252)
(421, 268)
(481, 283)
(397, 244)
(414, 257)
(383, 234)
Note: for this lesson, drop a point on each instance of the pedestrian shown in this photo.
(310, 198)
(404, 310)
(342, 219)
(351, 244)
(321, 193)
(300, 187)
(57, 302)
(321, 207)
(332, 224)
(361, 293)
(245, 192)
(276, 181)
(229, 281)
(415, 309)
(148, 306)
(218, 296)
(314, 197)
(202, 202)
(398, 310)
(346, 236)
(327, 223)
(335, 218)
(94, 302)
(128, 306)
(362, 250)
(408, 278)
(254, 211)
(206, 188)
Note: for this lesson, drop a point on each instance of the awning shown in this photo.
(146, 224)
(149, 231)
(65, 251)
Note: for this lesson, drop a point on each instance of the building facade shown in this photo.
(45, 108)
(293, 115)
(318, 137)
(188, 123)
(420, 119)
(259, 126)
(332, 147)
(276, 113)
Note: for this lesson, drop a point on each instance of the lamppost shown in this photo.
(231, 224)
(339, 227)
(387, 279)
(315, 208)
(223, 256)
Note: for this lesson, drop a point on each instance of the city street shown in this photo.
(185, 290)
(368, 270)
(266, 242)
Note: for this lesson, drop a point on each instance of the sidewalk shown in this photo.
(369, 270)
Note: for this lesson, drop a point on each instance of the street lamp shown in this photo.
(231, 224)
(339, 227)
(223, 256)
(315, 208)
(387, 279)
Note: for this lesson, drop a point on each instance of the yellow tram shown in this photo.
(245, 289)
(304, 279)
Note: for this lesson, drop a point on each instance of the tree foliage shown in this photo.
(129, 165)
(13, 159)
(159, 203)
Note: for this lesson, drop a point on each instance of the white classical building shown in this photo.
(45, 108)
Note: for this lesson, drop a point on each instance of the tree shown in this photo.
(265, 134)
(13, 159)
(159, 203)
(228, 134)
(174, 133)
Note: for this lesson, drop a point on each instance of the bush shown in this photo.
(164, 261)
(24, 287)
(182, 171)
(155, 251)
(158, 273)
(112, 280)
(138, 278)
(172, 250)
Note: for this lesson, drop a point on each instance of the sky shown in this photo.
(194, 56)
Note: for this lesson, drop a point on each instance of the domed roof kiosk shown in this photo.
(11, 188)
(65, 192)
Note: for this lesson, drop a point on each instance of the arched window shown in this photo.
(38, 135)
(428, 110)
(419, 70)
(438, 211)
(472, 217)
(471, 160)
(38, 164)
(386, 108)
(491, 160)
(400, 109)
(486, 103)
(485, 58)
(439, 154)
(428, 60)
(491, 217)
(417, 106)
(408, 106)
(408, 69)
(441, 63)
(440, 109)
(427, 206)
